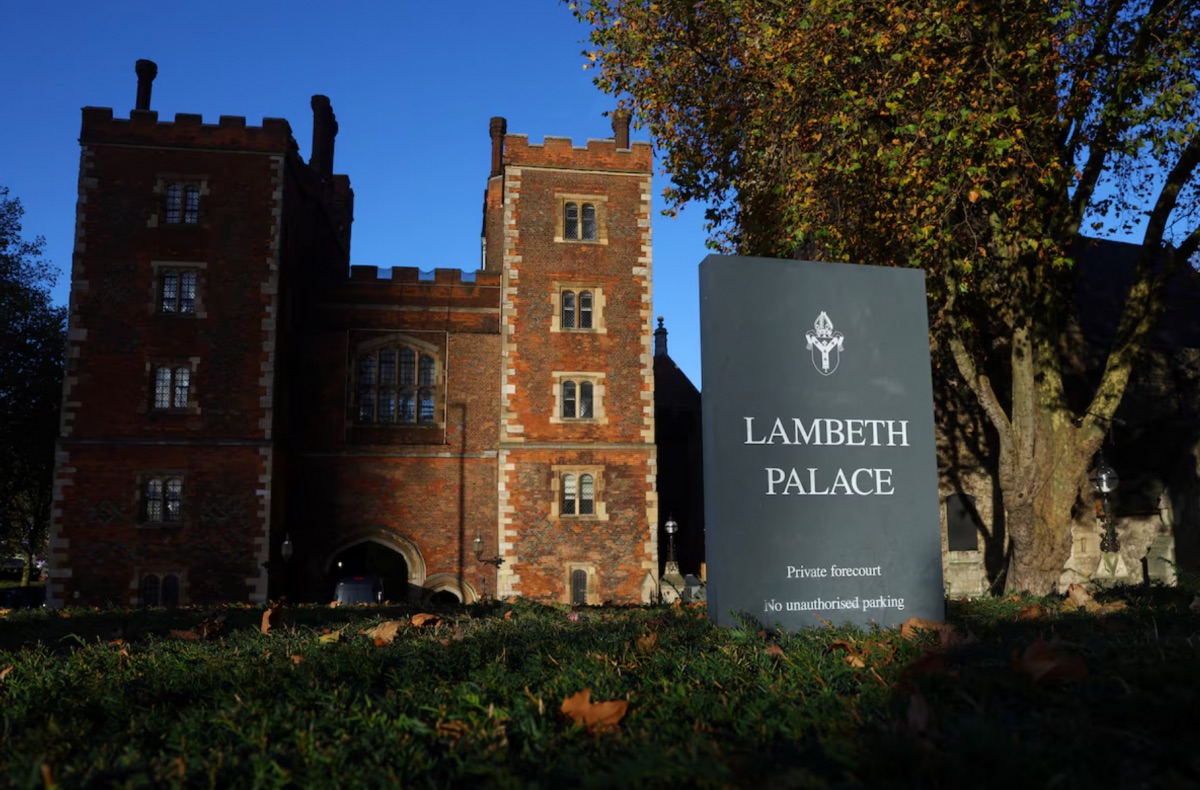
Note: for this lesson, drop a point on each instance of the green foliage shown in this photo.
(155, 698)
(972, 140)
(32, 338)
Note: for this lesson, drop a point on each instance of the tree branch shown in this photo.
(1146, 299)
(981, 385)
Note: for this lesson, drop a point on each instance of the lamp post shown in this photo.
(671, 527)
(1104, 482)
(478, 548)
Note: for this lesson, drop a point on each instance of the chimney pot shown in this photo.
(325, 129)
(146, 71)
(497, 129)
(660, 339)
(620, 124)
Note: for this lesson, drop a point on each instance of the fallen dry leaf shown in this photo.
(913, 626)
(4, 672)
(334, 604)
(947, 635)
(297, 659)
(385, 632)
(775, 650)
(646, 642)
(1079, 597)
(189, 635)
(852, 657)
(421, 618)
(5, 611)
(270, 617)
(508, 615)
(1042, 663)
(1032, 612)
(332, 636)
(594, 715)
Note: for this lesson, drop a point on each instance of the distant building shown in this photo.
(246, 415)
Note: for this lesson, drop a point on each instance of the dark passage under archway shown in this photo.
(373, 559)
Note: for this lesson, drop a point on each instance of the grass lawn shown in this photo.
(1012, 693)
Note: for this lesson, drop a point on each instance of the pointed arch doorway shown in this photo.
(394, 559)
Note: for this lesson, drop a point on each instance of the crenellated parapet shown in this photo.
(188, 130)
(562, 152)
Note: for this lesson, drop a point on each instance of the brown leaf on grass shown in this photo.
(385, 632)
(946, 633)
(594, 715)
(1080, 598)
(1042, 663)
(508, 615)
(334, 604)
(270, 616)
(4, 672)
(852, 657)
(1032, 612)
(775, 650)
(48, 777)
(422, 618)
(189, 635)
(913, 626)
(646, 642)
(330, 638)
(5, 611)
(297, 659)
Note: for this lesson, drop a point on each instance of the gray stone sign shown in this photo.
(820, 470)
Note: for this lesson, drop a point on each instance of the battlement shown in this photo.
(188, 130)
(411, 275)
(561, 152)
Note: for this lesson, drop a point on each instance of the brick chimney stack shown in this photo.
(146, 70)
(620, 125)
(325, 129)
(497, 128)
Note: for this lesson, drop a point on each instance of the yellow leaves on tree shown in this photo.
(594, 715)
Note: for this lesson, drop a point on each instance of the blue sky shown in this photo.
(413, 86)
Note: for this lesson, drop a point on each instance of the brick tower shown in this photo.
(568, 228)
(171, 458)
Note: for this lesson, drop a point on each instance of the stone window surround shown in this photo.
(141, 571)
(593, 582)
(599, 201)
(597, 473)
(152, 366)
(158, 267)
(158, 213)
(139, 503)
(396, 340)
(599, 390)
(598, 302)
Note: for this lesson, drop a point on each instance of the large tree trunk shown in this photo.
(1040, 487)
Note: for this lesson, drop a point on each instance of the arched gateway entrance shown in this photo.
(394, 559)
(398, 563)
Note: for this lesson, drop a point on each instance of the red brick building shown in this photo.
(234, 384)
